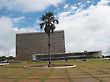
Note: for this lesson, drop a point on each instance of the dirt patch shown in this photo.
(29, 80)
(105, 79)
(58, 77)
(57, 80)
(86, 80)
(102, 75)
(6, 80)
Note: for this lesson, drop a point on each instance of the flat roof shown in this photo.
(70, 53)
(38, 32)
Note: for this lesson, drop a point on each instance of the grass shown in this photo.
(93, 70)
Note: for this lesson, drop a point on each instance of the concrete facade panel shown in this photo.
(28, 44)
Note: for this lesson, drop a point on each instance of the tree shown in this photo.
(10, 58)
(3, 59)
(48, 22)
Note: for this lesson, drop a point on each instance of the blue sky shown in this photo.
(30, 17)
(86, 21)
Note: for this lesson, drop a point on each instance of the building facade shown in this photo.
(69, 56)
(28, 44)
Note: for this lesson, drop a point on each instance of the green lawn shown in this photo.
(93, 70)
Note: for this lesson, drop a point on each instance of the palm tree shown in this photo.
(48, 22)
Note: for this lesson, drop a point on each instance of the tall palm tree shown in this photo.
(48, 22)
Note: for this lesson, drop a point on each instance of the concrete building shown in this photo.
(28, 44)
(34, 46)
(69, 56)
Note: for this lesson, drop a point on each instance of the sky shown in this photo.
(86, 23)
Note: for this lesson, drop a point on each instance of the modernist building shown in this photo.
(28, 44)
(34, 46)
(69, 56)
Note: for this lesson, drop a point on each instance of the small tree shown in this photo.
(3, 58)
(48, 24)
(10, 58)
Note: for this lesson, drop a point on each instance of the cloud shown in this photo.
(28, 5)
(25, 30)
(7, 36)
(19, 19)
(87, 29)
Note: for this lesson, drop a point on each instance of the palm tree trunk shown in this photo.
(49, 50)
